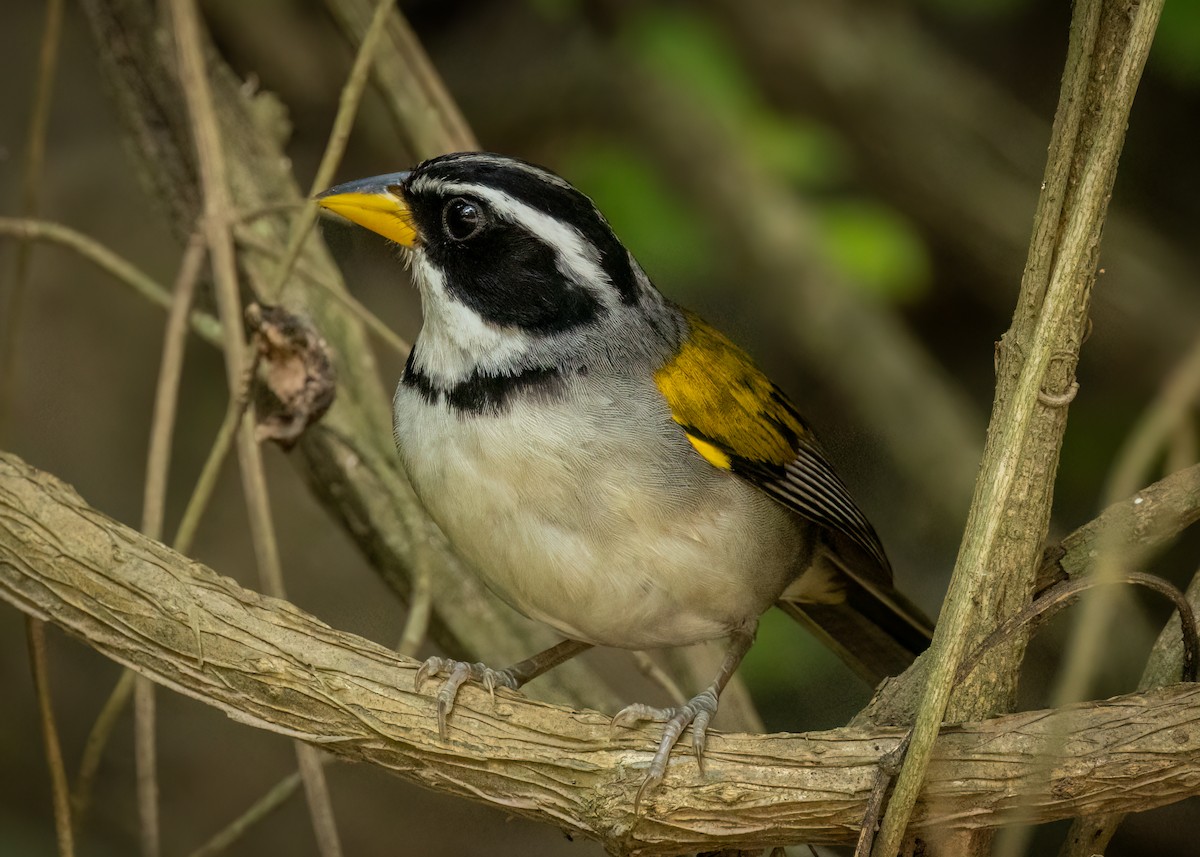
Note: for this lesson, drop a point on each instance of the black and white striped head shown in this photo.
(506, 255)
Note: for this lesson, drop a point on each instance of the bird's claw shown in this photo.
(697, 713)
(457, 674)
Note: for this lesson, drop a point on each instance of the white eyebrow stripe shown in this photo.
(578, 258)
(487, 159)
(425, 184)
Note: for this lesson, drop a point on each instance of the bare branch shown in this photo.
(35, 629)
(268, 664)
(1010, 511)
(1138, 527)
(31, 185)
(124, 271)
(218, 218)
(275, 797)
(145, 757)
(339, 135)
(428, 116)
(158, 461)
(97, 741)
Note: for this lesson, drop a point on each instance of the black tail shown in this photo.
(876, 630)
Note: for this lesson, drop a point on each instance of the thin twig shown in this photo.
(348, 103)
(162, 429)
(31, 184)
(145, 762)
(659, 676)
(36, 632)
(205, 326)
(250, 215)
(1065, 240)
(1156, 426)
(419, 609)
(9, 336)
(376, 325)
(206, 482)
(259, 810)
(889, 766)
(97, 741)
(1146, 441)
(426, 114)
(218, 210)
(316, 790)
(166, 398)
(1063, 594)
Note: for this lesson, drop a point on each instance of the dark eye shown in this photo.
(462, 219)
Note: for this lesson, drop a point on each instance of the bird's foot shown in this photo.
(696, 713)
(457, 674)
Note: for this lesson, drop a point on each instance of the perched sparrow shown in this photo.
(604, 460)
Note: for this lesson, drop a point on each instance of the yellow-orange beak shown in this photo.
(376, 203)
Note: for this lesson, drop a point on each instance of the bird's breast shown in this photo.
(592, 513)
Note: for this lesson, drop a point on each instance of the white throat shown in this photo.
(454, 340)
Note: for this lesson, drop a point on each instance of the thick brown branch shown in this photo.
(268, 664)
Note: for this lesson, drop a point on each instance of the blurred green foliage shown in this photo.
(876, 246)
(872, 243)
(670, 241)
(782, 658)
(1176, 51)
(696, 57)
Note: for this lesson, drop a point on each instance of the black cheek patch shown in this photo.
(510, 278)
(562, 203)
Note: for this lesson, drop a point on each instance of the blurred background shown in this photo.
(847, 188)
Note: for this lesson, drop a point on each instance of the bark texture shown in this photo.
(270, 665)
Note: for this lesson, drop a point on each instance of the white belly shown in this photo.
(561, 520)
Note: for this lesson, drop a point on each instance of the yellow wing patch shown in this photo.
(737, 420)
(727, 406)
(710, 451)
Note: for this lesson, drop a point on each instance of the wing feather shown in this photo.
(739, 421)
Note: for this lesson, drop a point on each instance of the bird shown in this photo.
(607, 462)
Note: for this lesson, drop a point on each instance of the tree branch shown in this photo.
(994, 574)
(270, 665)
(1137, 528)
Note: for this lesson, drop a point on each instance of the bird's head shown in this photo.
(506, 254)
